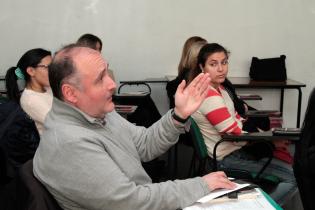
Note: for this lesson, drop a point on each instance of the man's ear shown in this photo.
(69, 93)
(30, 71)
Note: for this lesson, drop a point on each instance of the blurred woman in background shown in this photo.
(36, 97)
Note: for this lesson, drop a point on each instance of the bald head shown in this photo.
(72, 51)
(68, 66)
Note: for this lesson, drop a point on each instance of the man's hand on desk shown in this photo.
(216, 180)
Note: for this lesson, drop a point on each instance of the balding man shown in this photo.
(90, 157)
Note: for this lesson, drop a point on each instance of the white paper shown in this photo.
(258, 202)
(134, 93)
(217, 193)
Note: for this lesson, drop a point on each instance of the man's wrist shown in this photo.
(178, 118)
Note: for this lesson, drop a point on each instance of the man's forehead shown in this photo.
(82, 55)
(87, 56)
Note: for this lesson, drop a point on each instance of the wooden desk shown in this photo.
(246, 82)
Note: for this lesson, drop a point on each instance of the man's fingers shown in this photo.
(202, 79)
(199, 85)
(205, 86)
(227, 184)
(217, 180)
(224, 182)
(181, 86)
(197, 80)
(220, 173)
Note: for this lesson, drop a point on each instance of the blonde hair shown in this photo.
(186, 48)
(190, 61)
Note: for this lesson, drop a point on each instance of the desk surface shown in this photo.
(245, 82)
(267, 135)
(238, 82)
(256, 199)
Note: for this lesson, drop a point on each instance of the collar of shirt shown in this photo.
(92, 120)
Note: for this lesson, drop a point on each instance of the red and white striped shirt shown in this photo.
(215, 116)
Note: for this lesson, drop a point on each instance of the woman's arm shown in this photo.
(216, 111)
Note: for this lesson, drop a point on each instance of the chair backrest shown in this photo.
(33, 195)
(3, 168)
(198, 141)
(201, 159)
(3, 99)
(146, 114)
(171, 88)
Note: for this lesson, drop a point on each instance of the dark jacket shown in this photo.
(19, 137)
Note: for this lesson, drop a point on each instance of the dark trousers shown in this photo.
(306, 184)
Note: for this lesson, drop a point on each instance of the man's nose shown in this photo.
(112, 84)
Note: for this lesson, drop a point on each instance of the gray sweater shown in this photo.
(87, 164)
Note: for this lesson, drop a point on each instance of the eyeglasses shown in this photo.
(42, 66)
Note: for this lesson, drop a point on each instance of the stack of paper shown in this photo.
(254, 200)
(134, 93)
(217, 193)
(125, 108)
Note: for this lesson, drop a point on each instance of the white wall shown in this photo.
(143, 38)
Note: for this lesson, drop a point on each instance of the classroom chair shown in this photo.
(32, 194)
(206, 164)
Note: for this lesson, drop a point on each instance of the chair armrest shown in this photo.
(249, 137)
(249, 97)
(266, 135)
(263, 113)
